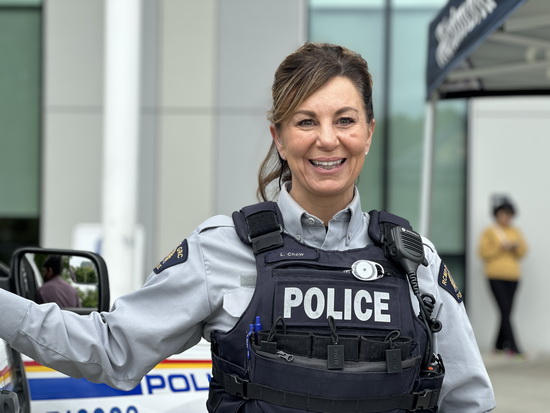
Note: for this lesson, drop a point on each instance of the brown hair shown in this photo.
(300, 75)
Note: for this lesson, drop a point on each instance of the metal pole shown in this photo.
(121, 141)
(386, 148)
(427, 168)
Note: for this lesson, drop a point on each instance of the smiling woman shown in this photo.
(306, 299)
(322, 93)
(324, 143)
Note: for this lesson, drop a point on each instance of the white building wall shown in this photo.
(186, 117)
(509, 147)
(207, 72)
(72, 113)
(254, 37)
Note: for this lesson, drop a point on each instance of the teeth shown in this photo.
(328, 165)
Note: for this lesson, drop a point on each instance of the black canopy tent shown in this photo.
(483, 48)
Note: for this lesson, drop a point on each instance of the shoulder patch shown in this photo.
(177, 256)
(446, 281)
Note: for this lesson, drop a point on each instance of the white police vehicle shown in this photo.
(177, 384)
(14, 393)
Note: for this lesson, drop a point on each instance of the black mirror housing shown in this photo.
(91, 276)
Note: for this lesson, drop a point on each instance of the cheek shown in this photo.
(297, 146)
(359, 146)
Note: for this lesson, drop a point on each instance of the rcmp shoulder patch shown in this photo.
(447, 282)
(177, 256)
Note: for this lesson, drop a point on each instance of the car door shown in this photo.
(14, 391)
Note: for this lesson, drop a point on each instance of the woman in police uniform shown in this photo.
(322, 125)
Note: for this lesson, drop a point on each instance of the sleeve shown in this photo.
(120, 346)
(489, 245)
(521, 249)
(466, 386)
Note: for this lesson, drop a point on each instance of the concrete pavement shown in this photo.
(520, 385)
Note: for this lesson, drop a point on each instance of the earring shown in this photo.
(366, 153)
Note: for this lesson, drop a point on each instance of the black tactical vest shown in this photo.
(325, 331)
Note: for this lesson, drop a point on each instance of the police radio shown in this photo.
(406, 248)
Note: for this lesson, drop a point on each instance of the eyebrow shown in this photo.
(313, 114)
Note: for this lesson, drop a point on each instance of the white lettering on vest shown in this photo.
(379, 306)
(330, 305)
(293, 298)
(308, 303)
(291, 254)
(362, 294)
(314, 303)
(347, 304)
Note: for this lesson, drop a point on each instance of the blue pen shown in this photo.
(250, 332)
(258, 325)
(257, 328)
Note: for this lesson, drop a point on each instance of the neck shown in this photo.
(324, 207)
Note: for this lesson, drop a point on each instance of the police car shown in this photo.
(14, 393)
(177, 384)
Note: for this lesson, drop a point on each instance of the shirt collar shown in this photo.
(349, 222)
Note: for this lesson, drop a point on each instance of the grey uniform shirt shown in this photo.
(209, 291)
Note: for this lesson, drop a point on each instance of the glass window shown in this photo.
(391, 178)
(359, 26)
(20, 114)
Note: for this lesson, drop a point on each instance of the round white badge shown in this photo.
(367, 270)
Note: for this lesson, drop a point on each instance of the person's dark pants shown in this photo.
(504, 292)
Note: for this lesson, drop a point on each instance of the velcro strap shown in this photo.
(264, 226)
(382, 221)
(244, 389)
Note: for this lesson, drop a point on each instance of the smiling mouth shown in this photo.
(327, 164)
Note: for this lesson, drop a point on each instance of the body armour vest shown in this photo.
(325, 331)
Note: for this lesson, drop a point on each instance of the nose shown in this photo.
(327, 138)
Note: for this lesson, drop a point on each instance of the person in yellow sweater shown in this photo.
(501, 247)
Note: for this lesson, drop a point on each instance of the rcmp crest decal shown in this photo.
(447, 282)
(177, 256)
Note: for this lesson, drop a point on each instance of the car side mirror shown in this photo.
(76, 280)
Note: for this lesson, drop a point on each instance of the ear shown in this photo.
(277, 140)
(370, 132)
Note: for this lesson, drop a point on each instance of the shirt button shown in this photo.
(298, 237)
(311, 221)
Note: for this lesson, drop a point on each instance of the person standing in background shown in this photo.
(55, 288)
(501, 247)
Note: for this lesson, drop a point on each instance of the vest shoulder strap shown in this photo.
(381, 222)
(260, 225)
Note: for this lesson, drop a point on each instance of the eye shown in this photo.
(305, 122)
(346, 120)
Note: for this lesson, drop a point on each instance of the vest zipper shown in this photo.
(349, 366)
(283, 355)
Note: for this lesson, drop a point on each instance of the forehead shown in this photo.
(334, 94)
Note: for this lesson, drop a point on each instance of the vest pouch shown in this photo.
(356, 348)
(290, 342)
(375, 347)
(307, 375)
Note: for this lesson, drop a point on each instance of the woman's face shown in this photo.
(504, 217)
(325, 142)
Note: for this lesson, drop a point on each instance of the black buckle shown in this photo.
(423, 400)
(237, 387)
(267, 241)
